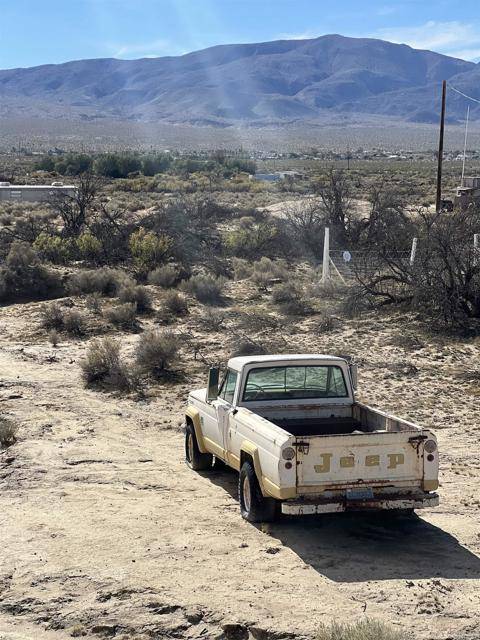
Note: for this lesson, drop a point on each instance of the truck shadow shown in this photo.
(359, 547)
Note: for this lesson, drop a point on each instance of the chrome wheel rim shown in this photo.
(190, 447)
(247, 501)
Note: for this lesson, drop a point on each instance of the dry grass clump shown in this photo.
(166, 276)
(103, 366)
(8, 432)
(156, 351)
(206, 289)
(135, 294)
(364, 630)
(123, 316)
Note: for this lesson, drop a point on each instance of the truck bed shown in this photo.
(319, 426)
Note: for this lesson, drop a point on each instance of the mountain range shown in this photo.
(253, 84)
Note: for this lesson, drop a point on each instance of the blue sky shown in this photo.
(48, 31)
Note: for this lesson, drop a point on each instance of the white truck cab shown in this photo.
(291, 426)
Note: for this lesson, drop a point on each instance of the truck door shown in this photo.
(223, 407)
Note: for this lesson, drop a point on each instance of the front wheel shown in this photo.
(195, 459)
(254, 507)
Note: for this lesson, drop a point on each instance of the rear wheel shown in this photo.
(254, 507)
(195, 459)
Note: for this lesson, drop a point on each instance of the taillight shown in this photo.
(430, 446)
(288, 453)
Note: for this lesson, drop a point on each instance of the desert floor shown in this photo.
(105, 532)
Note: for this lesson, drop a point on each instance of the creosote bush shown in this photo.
(206, 289)
(156, 351)
(8, 432)
(166, 276)
(103, 366)
(364, 630)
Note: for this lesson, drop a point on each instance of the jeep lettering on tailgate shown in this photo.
(394, 460)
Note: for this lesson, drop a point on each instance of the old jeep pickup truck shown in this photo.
(291, 426)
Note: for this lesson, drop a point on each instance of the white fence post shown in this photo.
(326, 256)
(413, 252)
(476, 248)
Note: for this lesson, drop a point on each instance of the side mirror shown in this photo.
(212, 385)
(354, 375)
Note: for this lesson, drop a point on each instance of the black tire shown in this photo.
(195, 459)
(254, 507)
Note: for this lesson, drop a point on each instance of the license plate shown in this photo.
(365, 493)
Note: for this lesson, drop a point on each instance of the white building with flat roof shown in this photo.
(34, 192)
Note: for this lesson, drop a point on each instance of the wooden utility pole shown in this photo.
(438, 204)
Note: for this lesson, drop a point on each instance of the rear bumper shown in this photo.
(301, 507)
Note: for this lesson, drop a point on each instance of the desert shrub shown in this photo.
(74, 322)
(8, 432)
(136, 294)
(251, 238)
(156, 351)
(363, 630)
(206, 289)
(122, 315)
(165, 276)
(290, 299)
(213, 319)
(103, 366)
(246, 347)
(53, 248)
(52, 316)
(172, 305)
(265, 272)
(286, 292)
(105, 281)
(54, 337)
(148, 249)
(88, 246)
(242, 269)
(93, 302)
(24, 278)
(355, 302)
(325, 323)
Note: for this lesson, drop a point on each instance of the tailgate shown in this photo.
(371, 458)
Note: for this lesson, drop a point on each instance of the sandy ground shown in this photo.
(106, 533)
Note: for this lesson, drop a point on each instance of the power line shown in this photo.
(463, 94)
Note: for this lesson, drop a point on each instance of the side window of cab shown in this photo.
(227, 389)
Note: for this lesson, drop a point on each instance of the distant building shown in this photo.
(469, 192)
(33, 192)
(275, 177)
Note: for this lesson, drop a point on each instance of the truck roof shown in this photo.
(240, 361)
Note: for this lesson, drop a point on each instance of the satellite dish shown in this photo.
(347, 256)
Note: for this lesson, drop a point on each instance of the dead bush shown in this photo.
(244, 346)
(206, 289)
(136, 294)
(104, 366)
(156, 351)
(8, 432)
(122, 315)
(367, 629)
(166, 276)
